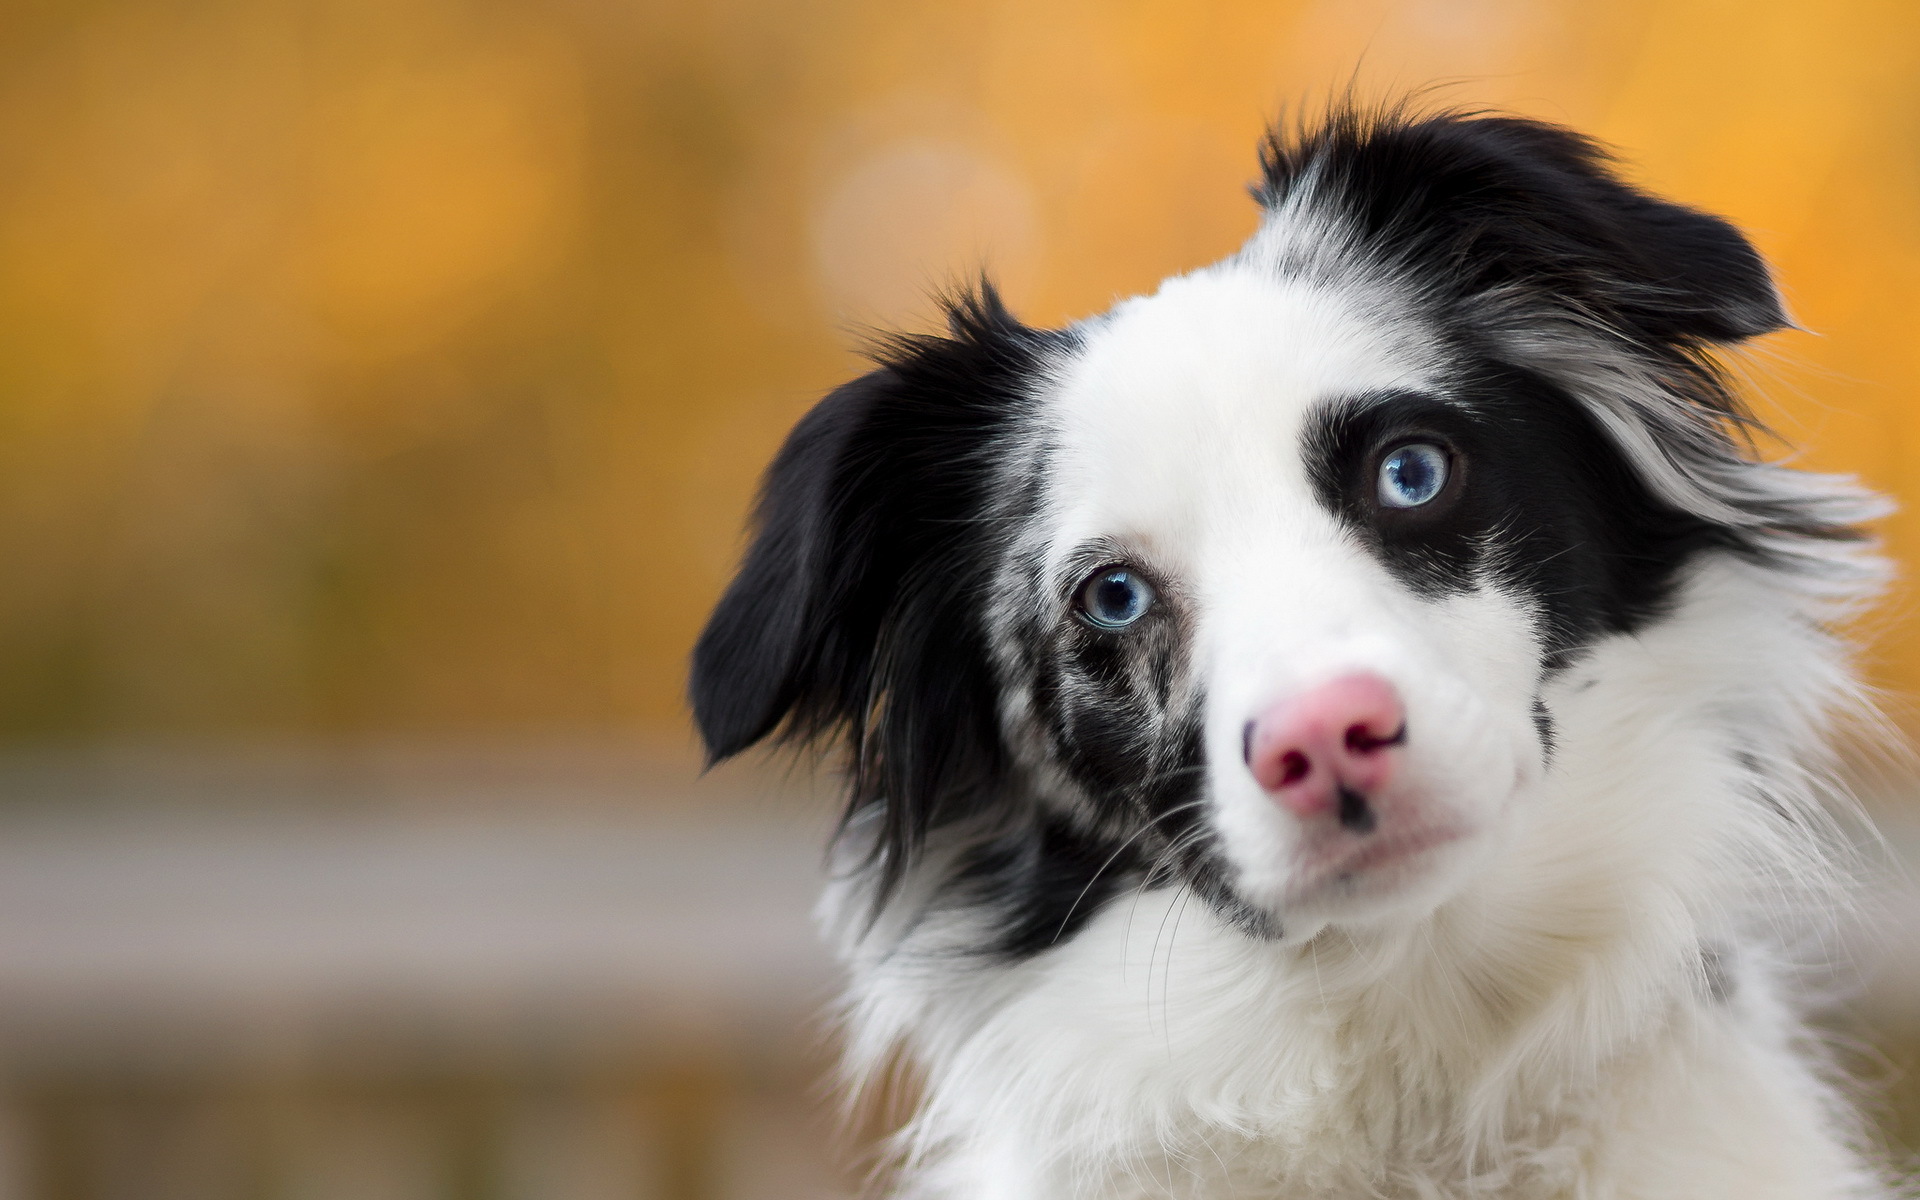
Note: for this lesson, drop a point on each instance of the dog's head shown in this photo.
(1258, 580)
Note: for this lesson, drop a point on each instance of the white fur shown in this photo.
(1526, 1013)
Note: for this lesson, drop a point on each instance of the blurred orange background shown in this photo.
(383, 387)
(406, 366)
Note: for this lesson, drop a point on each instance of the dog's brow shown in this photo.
(1353, 404)
(1090, 556)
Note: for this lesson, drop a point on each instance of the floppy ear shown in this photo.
(1512, 207)
(1669, 272)
(858, 611)
(772, 643)
(1699, 279)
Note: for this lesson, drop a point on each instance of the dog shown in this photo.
(1354, 722)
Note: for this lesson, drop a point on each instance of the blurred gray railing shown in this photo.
(466, 975)
(463, 977)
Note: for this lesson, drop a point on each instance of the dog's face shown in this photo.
(1257, 582)
(1297, 575)
(1270, 543)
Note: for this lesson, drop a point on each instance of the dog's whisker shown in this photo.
(1118, 851)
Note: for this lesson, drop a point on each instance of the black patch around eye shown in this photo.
(1435, 547)
(1543, 503)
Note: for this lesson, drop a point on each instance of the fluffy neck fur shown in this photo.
(1538, 1035)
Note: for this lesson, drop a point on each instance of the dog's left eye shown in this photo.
(1114, 598)
(1412, 475)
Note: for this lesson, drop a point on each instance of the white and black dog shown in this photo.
(1349, 724)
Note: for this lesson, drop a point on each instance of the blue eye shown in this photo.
(1114, 598)
(1412, 475)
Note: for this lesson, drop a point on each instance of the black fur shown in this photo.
(863, 610)
(856, 612)
(1538, 500)
(1043, 883)
(1475, 205)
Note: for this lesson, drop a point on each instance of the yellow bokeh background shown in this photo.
(406, 365)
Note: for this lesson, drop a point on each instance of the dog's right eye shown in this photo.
(1412, 475)
(1114, 598)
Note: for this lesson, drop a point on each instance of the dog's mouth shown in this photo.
(1330, 867)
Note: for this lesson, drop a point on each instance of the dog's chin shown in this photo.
(1380, 880)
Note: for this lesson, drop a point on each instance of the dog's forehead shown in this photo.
(1198, 396)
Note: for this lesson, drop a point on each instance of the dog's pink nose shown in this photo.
(1328, 749)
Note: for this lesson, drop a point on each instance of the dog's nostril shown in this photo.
(1246, 744)
(1361, 740)
(1293, 767)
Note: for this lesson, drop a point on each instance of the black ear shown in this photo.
(1484, 205)
(859, 610)
(1698, 277)
(1670, 272)
(764, 648)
